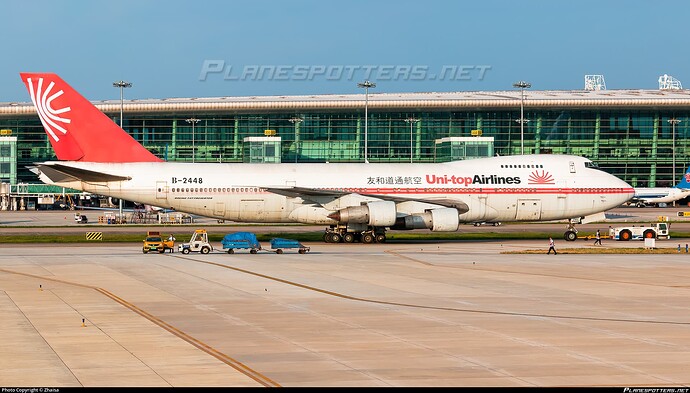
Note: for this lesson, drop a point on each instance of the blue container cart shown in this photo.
(278, 244)
(241, 240)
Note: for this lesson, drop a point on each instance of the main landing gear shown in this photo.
(571, 232)
(342, 235)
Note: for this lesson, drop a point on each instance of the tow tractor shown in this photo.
(198, 243)
(657, 230)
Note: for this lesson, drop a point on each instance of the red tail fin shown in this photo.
(77, 130)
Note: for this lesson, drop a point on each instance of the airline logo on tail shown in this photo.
(46, 113)
(77, 130)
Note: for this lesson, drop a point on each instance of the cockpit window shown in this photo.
(593, 165)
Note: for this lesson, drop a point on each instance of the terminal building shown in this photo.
(641, 136)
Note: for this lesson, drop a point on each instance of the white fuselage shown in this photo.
(511, 188)
(660, 194)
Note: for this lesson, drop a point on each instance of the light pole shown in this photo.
(673, 122)
(122, 85)
(522, 85)
(411, 121)
(366, 85)
(193, 121)
(296, 121)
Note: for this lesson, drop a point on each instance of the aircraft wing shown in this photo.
(59, 173)
(312, 194)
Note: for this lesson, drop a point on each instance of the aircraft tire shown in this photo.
(570, 236)
(368, 238)
(349, 237)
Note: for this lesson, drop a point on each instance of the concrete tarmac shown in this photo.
(395, 314)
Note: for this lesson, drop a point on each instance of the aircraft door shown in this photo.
(161, 190)
(528, 210)
(219, 209)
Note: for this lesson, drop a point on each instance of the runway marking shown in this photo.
(237, 365)
(466, 310)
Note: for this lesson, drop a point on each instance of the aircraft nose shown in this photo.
(626, 191)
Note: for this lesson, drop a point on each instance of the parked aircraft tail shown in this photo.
(77, 130)
(684, 180)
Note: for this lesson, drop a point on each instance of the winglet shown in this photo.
(77, 130)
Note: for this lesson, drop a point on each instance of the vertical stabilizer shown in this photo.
(77, 130)
(684, 180)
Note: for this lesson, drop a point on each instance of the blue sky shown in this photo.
(404, 46)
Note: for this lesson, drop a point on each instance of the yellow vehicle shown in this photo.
(154, 242)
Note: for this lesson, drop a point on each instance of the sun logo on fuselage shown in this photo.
(43, 102)
(540, 178)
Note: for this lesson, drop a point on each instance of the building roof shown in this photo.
(463, 100)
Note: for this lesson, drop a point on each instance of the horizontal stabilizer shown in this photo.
(59, 173)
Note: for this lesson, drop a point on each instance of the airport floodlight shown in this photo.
(366, 85)
(673, 123)
(411, 121)
(122, 85)
(192, 121)
(522, 85)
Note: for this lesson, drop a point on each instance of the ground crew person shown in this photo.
(552, 246)
(597, 238)
(171, 238)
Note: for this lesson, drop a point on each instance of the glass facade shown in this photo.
(634, 144)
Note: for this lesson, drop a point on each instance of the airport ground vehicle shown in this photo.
(278, 244)
(494, 223)
(241, 240)
(197, 243)
(80, 218)
(153, 242)
(657, 230)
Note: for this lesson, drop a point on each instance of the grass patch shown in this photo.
(137, 235)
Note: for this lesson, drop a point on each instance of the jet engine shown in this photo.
(438, 220)
(377, 213)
